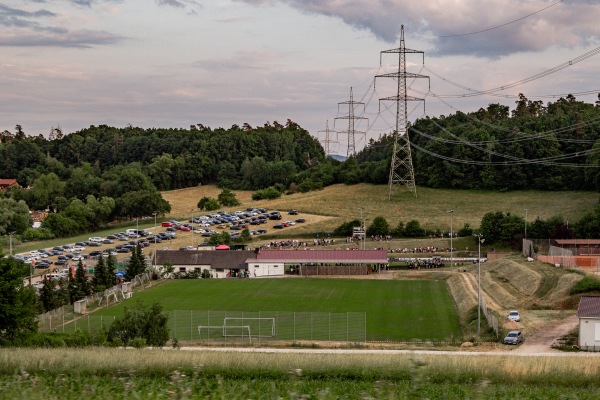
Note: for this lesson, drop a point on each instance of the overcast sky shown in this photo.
(173, 63)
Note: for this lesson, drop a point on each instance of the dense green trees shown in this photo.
(136, 264)
(18, 303)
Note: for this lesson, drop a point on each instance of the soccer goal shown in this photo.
(209, 331)
(257, 327)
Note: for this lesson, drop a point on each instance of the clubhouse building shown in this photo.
(273, 263)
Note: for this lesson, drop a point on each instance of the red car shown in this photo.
(167, 224)
(185, 229)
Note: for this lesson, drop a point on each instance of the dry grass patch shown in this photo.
(463, 297)
(563, 287)
(430, 208)
(518, 275)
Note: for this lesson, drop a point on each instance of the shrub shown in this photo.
(586, 285)
(228, 198)
(208, 204)
(345, 229)
(269, 193)
(138, 343)
(141, 321)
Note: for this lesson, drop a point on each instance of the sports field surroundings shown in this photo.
(395, 310)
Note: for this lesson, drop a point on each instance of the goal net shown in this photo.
(257, 327)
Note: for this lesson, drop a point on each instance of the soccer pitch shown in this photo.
(395, 310)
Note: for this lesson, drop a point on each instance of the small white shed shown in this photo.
(589, 323)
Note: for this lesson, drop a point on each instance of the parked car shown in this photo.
(513, 337)
(166, 224)
(293, 212)
(95, 239)
(513, 315)
(300, 220)
(107, 241)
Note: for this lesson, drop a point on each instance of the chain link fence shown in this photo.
(235, 327)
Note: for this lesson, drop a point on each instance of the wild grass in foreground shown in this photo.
(119, 373)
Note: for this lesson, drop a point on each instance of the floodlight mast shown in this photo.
(480, 240)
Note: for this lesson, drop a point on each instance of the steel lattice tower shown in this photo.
(401, 169)
(351, 118)
(327, 141)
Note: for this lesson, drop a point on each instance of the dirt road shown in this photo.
(542, 339)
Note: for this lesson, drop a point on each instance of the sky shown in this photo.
(176, 63)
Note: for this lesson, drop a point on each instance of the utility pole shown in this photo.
(526, 224)
(401, 169)
(351, 132)
(479, 241)
(451, 212)
(10, 236)
(327, 141)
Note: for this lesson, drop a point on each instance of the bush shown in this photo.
(586, 285)
(141, 321)
(413, 229)
(228, 198)
(31, 234)
(138, 343)
(345, 229)
(309, 185)
(208, 204)
(269, 193)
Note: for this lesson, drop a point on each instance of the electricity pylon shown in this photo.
(327, 141)
(401, 169)
(351, 132)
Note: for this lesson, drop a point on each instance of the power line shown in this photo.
(496, 26)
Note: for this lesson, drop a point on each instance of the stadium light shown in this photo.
(525, 223)
(451, 212)
(479, 241)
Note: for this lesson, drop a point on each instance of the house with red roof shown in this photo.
(6, 183)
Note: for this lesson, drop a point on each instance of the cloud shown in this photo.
(58, 38)
(519, 26)
(24, 30)
(191, 5)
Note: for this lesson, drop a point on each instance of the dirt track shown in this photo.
(543, 339)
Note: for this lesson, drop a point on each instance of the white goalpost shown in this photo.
(261, 327)
(240, 327)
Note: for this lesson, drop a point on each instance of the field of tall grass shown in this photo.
(154, 373)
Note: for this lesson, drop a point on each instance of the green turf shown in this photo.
(395, 310)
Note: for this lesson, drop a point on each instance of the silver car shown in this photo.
(513, 337)
(514, 315)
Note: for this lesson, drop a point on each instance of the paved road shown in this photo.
(362, 351)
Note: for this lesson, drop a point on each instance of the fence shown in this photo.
(491, 318)
(56, 319)
(234, 327)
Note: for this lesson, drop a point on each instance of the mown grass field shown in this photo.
(396, 310)
(152, 374)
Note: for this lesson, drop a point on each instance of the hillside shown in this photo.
(539, 291)
(344, 203)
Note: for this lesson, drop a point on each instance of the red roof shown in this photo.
(222, 247)
(323, 256)
(589, 307)
(8, 182)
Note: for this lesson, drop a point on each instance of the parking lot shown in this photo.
(173, 234)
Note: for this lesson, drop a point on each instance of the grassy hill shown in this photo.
(340, 203)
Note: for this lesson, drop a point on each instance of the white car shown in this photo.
(96, 239)
(513, 315)
(78, 248)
